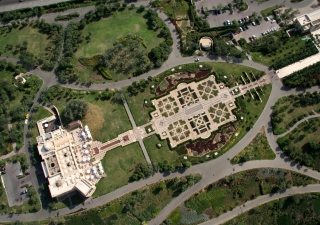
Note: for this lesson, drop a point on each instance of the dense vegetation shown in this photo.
(29, 60)
(280, 48)
(306, 77)
(232, 191)
(257, 149)
(290, 109)
(128, 54)
(76, 109)
(302, 144)
(69, 16)
(16, 99)
(296, 209)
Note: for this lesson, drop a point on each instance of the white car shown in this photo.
(254, 36)
(273, 21)
(253, 23)
(26, 121)
(240, 28)
(267, 18)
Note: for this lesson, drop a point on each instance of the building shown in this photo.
(308, 22)
(66, 158)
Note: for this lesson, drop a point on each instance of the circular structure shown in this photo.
(48, 146)
(59, 183)
(206, 43)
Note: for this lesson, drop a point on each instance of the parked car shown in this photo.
(24, 192)
(246, 26)
(250, 38)
(27, 115)
(240, 28)
(3, 172)
(254, 36)
(267, 18)
(253, 23)
(27, 173)
(197, 59)
(273, 21)
(240, 21)
(3, 168)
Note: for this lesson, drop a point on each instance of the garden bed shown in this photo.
(171, 83)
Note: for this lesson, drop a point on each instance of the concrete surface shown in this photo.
(12, 184)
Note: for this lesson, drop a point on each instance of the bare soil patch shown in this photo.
(94, 119)
(137, 27)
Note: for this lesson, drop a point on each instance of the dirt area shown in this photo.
(182, 76)
(94, 119)
(217, 141)
(136, 27)
(210, 212)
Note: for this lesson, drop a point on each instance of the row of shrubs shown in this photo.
(67, 17)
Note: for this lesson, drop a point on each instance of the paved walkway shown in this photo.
(297, 124)
(262, 200)
(143, 147)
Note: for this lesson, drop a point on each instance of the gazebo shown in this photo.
(206, 43)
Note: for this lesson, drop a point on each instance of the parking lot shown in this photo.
(257, 30)
(12, 184)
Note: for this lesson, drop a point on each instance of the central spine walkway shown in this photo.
(134, 126)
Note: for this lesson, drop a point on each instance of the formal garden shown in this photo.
(289, 110)
(138, 42)
(295, 209)
(302, 144)
(232, 191)
(258, 149)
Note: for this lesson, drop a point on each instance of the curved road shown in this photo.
(211, 171)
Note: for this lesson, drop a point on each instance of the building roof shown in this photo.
(312, 17)
(73, 125)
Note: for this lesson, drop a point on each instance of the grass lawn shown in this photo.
(295, 144)
(232, 72)
(37, 42)
(289, 110)
(139, 111)
(118, 165)
(254, 109)
(106, 31)
(268, 11)
(105, 120)
(235, 190)
(257, 149)
(159, 154)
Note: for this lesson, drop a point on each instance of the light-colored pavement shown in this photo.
(262, 200)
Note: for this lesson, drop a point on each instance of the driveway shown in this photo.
(12, 184)
(256, 30)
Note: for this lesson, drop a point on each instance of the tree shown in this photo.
(76, 109)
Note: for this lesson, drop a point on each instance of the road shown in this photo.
(211, 171)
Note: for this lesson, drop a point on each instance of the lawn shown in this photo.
(139, 110)
(233, 72)
(106, 31)
(232, 191)
(268, 11)
(119, 164)
(257, 149)
(290, 109)
(298, 144)
(159, 154)
(37, 42)
(105, 120)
